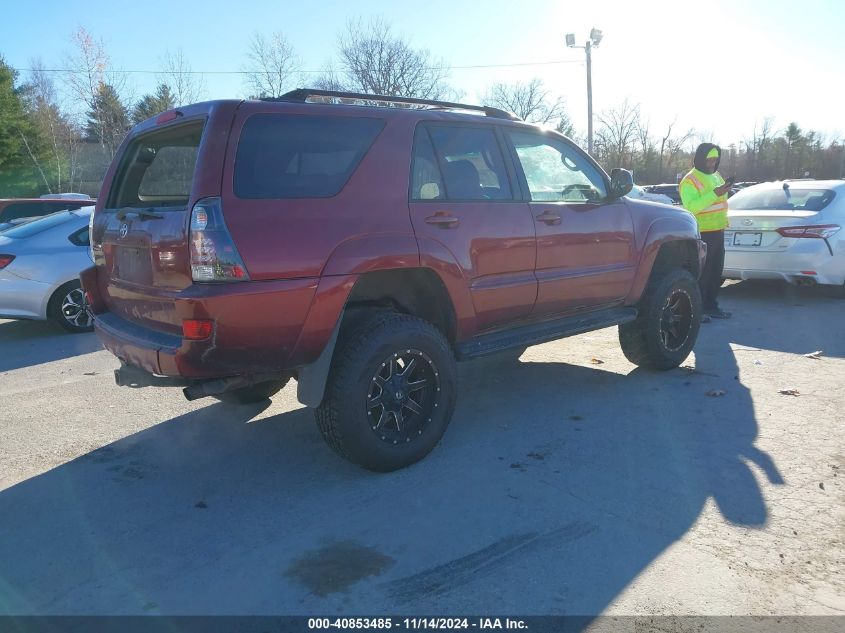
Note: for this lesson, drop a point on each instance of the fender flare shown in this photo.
(663, 230)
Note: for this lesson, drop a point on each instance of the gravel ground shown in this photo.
(569, 482)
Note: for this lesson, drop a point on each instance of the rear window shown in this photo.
(157, 169)
(38, 226)
(295, 156)
(20, 210)
(782, 199)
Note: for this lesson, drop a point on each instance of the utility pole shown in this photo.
(588, 48)
(595, 38)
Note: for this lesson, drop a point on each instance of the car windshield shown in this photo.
(41, 224)
(789, 199)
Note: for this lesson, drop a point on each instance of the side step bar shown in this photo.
(536, 333)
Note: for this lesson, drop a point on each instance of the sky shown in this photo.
(720, 67)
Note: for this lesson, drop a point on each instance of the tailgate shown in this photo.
(140, 228)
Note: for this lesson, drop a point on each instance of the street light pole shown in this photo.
(588, 47)
(595, 38)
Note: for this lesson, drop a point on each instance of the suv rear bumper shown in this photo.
(257, 329)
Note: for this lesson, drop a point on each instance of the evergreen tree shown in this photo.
(19, 141)
(150, 105)
(108, 119)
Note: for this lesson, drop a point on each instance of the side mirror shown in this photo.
(621, 182)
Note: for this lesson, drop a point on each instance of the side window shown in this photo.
(296, 156)
(426, 182)
(80, 237)
(555, 171)
(471, 163)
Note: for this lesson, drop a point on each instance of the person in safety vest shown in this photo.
(704, 193)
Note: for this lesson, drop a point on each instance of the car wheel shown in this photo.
(253, 393)
(390, 394)
(666, 328)
(69, 309)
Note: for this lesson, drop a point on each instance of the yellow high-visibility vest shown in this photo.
(698, 197)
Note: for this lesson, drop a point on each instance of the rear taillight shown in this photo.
(213, 253)
(818, 231)
(197, 329)
(5, 260)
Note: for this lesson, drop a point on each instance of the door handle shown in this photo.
(443, 219)
(549, 217)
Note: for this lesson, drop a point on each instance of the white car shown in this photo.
(40, 262)
(790, 230)
(638, 193)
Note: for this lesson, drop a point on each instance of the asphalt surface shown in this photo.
(569, 482)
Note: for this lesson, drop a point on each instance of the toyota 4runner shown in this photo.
(362, 244)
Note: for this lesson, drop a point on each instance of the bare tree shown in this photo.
(374, 60)
(272, 66)
(62, 136)
(529, 101)
(85, 69)
(617, 133)
(670, 147)
(185, 86)
(88, 76)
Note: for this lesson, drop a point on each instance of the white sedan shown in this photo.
(638, 193)
(790, 230)
(40, 262)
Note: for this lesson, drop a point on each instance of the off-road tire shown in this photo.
(643, 340)
(254, 393)
(344, 418)
(54, 309)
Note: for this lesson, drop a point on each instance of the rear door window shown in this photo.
(470, 162)
(157, 169)
(295, 156)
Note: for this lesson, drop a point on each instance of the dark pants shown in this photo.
(711, 277)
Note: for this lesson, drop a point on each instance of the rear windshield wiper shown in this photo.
(144, 214)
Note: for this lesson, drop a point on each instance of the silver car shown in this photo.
(40, 262)
(790, 230)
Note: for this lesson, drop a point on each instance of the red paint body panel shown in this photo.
(498, 263)
(585, 261)
(494, 246)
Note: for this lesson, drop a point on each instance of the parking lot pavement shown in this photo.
(568, 483)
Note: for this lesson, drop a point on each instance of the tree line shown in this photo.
(59, 131)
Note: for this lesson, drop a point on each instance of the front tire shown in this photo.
(69, 309)
(390, 394)
(666, 329)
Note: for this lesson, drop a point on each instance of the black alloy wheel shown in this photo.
(402, 397)
(676, 320)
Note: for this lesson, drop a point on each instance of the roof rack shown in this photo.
(301, 95)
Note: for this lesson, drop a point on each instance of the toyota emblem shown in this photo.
(748, 221)
(124, 229)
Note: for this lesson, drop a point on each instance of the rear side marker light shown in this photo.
(817, 231)
(5, 260)
(197, 329)
(809, 272)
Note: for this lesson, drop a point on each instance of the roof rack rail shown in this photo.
(301, 95)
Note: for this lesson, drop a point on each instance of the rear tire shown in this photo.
(254, 393)
(666, 329)
(68, 308)
(390, 394)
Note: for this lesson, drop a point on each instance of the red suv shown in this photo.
(362, 249)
